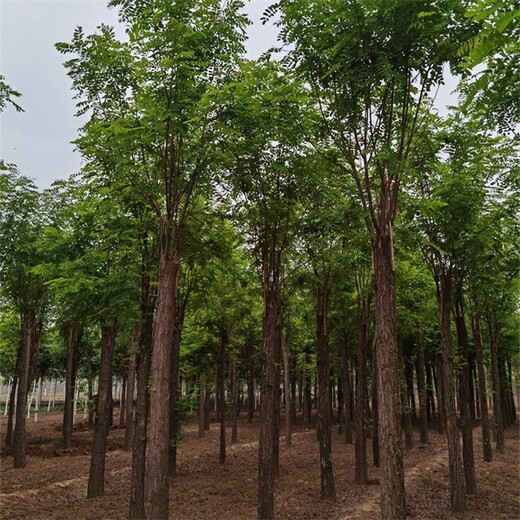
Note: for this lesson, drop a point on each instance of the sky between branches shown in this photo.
(38, 141)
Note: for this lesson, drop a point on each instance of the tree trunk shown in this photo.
(70, 383)
(458, 495)
(221, 380)
(173, 421)
(468, 456)
(361, 470)
(421, 383)
(202, 406)
(393, 500)
(137, 483)
(324, 416)
(439, 391)
(287, 389)
(130, 385)
(96, 481)
(375, 410)
(347, 392)
(405, 404)
(268, 418)
(19, 445)
(157, 442)
(122, 400)
(250, 384)
(11, 413)
(497, 394)
(234, 402)
(430, 408)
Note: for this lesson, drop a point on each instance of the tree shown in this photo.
(370, 65)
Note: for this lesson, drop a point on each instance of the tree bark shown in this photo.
(250, 384)
(324, 415)
(234, 402)
(347, 392)
(268, 417)
(70, 383)
(393, 500)
(287, 390)
(157, 442)
(221, 379)
(361, 470)
(130, 385)
(468, 456)
(19, 445)
(375, 410)
(12, 400)
(202, 406)
(495, 377)
(96, 481)
(421, 383)
(458, 494)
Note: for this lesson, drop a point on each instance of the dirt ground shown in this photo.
(54, 483)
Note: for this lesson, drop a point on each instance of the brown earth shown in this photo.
(54, 483)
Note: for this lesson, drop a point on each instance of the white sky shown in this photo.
(38, 140)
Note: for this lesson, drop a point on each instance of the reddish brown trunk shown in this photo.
(19, 444)
(468, 457)
(421, 383)
(137, 484)
(497, 394)
(458, 495)
(130, 386)
(347, 393)
(268, 395)
(361, 471)
(158, 442)
(96, 481)
(324, 418)
(221, 390)
(393, 501)
(70, 383)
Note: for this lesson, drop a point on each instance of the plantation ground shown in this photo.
(54, 483)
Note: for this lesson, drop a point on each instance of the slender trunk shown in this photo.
(207, 418)
(287, 389)
(268, 418)
(458, 495)
(277, 392)
(495, 377)
(12, 402)
(430, 401)
(421, 383)
(468, 456)
(324, 416)
(90, 385)
(19, 445)
(250, 384)
(393, 499)
(122, 400)
(157, 442)
(405, 404)
(306, 396)
(234, 402)
(202, 405)
(174, 423)
(221, 380)
(347, 392)
(439, 390)
(130, 385)
(375, 410)
(96, 481)
(137, 483)
(361, 470)
(70, 383)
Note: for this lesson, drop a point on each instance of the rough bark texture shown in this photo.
(347, 393)
(221, 386)
(468, 456)
(287, 390)
(70, 383)
(137, 483)
(130, 387)
(458, 494)
(266, 454)
(393, 501)
(497, 394)
(96, 481)
(421, 383)
(19, 444)
(324, 415)
(157, 442)
(361, 470)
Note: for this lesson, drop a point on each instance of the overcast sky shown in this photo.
(38, 140)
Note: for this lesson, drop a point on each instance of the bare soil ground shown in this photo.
(54, 483)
